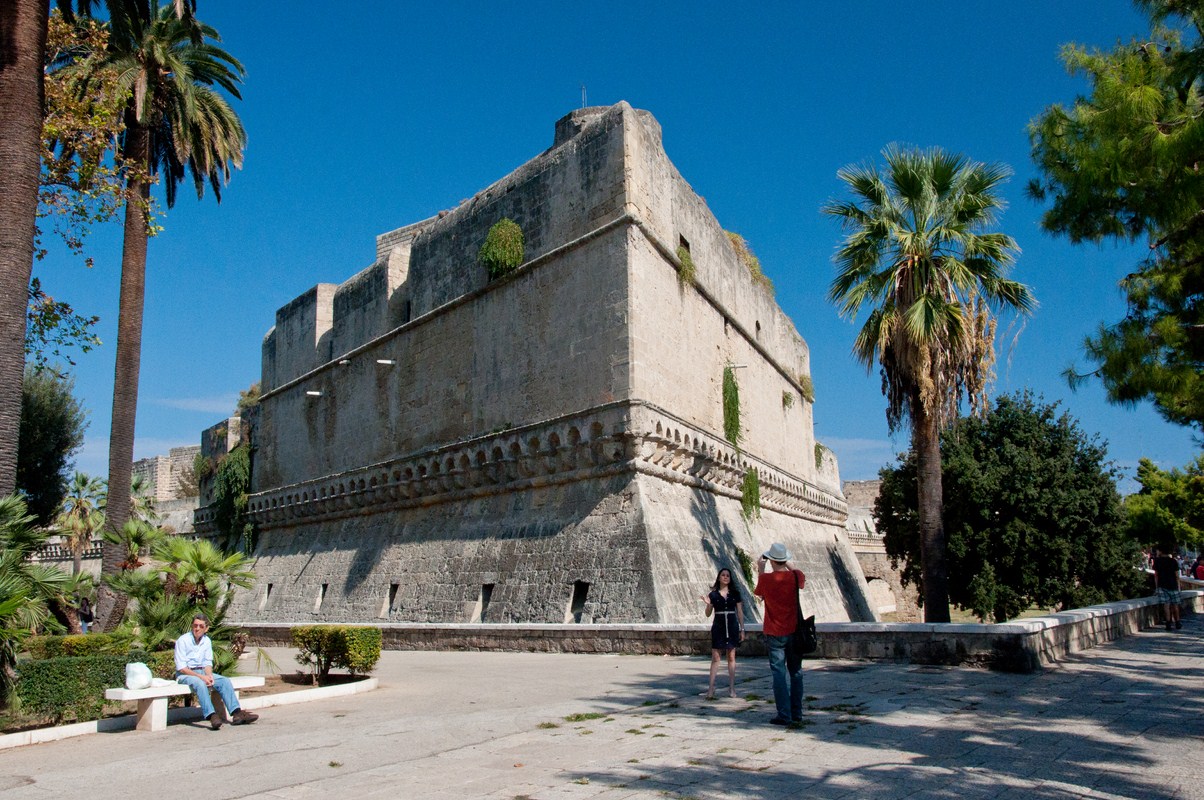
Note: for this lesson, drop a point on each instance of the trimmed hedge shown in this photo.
(324, 646)
(68, 685)
(41, 647)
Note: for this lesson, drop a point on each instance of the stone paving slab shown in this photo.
(1125, 720)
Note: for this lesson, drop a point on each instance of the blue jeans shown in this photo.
(787, 685)
(198, 687)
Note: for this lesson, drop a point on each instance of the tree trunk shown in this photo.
(926, 441)
(22, 50)
(110, 605)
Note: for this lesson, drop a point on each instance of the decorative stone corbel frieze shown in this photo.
(606, 440)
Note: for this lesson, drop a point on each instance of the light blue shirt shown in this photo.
(192, 654)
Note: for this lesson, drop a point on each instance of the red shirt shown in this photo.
(781, 600)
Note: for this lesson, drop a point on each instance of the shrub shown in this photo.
(41, 647)
(502, 251)
(68, 686)
(324, 646)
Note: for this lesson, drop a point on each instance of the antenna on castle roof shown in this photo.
(583, 95)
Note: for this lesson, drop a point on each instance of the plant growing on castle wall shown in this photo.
(820, 451)
(230, 488)
(247, 399)
(731, 407)
(787, 399)
(746, 567)
(502, 251)
(749, 260)
(687, 272)
(804, 381)
(750, 494)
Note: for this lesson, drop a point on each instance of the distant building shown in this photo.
(163, 474)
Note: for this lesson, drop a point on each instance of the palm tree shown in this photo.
(176, 122)
(24, 24)
(80, 517)
(30, 592)
(918, 254)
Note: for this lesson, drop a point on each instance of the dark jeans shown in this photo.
(787, 683)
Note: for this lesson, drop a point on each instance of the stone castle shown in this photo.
(434, 446)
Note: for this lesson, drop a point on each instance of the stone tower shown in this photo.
(433, 446)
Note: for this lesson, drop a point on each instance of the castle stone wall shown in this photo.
(546, 447)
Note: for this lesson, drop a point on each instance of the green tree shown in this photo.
(79, 517)
(919, 256)
(52, 429)
(1170, 505)
(1031, 512)
(1122, 163)
(177, 122)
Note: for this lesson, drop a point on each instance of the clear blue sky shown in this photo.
(366, 117)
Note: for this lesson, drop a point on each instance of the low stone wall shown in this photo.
(1021, 646)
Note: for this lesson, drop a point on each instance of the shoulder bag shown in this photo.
(804, 639)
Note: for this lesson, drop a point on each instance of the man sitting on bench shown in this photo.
(194, 669)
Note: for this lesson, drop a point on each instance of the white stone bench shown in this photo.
(152, 701)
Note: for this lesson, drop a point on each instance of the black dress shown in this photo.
(725, 629)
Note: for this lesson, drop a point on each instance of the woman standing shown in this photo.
(727, 630)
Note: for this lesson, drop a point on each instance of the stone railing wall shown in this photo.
(1021, 646)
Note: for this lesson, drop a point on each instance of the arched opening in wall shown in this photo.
(267, 595)
(576, 608)
(757, 332)
(482, 610)
(390, 599)
(407, 312)
(321, 597)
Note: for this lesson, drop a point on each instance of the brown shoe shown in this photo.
(241, 717)
(215, 720)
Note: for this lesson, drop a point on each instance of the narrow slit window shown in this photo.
(267, 595)
(482, 611)
(321, 597)
(577, 603)
(390, 601)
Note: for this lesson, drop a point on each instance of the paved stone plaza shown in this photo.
(1122, 720)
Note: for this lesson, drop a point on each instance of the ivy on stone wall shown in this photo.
(750, 494)
(787, 399)
(746, 567)
(502, 251)
(231, 484)
(731, 407)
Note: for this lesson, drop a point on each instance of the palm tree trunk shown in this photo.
(110, 605)
(926, 441)
(22, 50)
